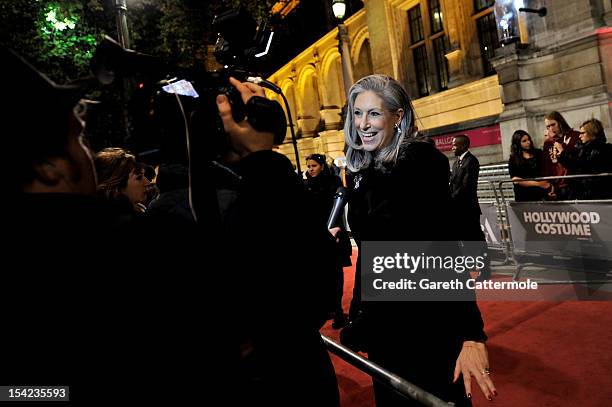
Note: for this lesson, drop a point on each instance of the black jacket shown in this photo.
(402, 202)
(594, 157)
(464, 184)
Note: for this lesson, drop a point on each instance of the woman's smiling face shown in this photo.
(374, 124)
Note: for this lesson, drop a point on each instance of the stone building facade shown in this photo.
(462, 79)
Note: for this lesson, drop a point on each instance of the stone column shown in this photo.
(456, 22)
(379, 30)
(345, 54)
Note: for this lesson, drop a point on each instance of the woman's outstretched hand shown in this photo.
(473, 361)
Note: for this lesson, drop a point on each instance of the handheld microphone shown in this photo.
(339, 202)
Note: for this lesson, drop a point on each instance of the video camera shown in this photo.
(240, 42)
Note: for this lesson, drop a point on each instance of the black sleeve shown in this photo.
(598, 162)
(569, 159)
(513, 168)
(539, 157)
(420, 185)
(472, 325)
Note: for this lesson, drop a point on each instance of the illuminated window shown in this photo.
(441, 47)
(435, 15)
(422, 72)
(482, 4)
(487, 37)
(429, 39)
(416, 24)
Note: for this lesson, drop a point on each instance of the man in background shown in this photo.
(464, 197)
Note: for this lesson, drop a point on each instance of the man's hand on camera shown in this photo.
(247, 89)
(243, 137)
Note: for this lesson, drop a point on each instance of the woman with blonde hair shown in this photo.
(592, 155)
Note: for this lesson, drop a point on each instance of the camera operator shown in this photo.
(282, 301)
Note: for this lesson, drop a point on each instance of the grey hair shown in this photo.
(394, 97)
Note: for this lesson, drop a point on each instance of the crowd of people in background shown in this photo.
(565, 152)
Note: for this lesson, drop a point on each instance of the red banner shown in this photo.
(483, 136)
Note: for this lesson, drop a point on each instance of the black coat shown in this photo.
(420, 341)
(388, 204)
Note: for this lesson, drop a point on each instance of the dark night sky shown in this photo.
(308, 22)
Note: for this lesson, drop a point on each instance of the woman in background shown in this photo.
(322, 186)
(591, 155)
(121, 180)
(526, 162)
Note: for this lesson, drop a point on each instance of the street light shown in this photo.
(124, 40)
(510, 26)
(339, 9)
(122, 28)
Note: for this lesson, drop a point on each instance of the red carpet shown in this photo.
(541, 354)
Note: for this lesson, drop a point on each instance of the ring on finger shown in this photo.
(486, 371)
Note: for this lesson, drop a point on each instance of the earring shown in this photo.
(397, 128)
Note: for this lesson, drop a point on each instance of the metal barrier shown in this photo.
(486, 189)
(401, 386)
(501, 242)
(488, 194)
(510, 249)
